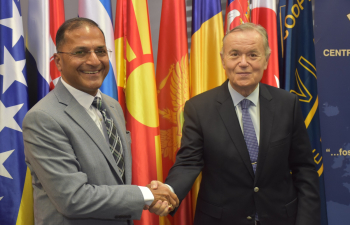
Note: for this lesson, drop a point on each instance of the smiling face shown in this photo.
(84, 74)
(244, 60)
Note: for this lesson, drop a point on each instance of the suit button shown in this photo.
(249, 217)
(256, 189)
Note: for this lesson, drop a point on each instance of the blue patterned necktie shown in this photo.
(115, 144)
(249, 133)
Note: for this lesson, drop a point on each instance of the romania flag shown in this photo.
(206, 71)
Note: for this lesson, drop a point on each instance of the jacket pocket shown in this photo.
(292, 207)
(282, 141)
(209, 209)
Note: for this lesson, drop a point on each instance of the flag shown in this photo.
(206, 71)
(298, 66)
(119, 53)
(16, 193)
(237, 12)
(173, 91)
(44, 19)
(100, 11)
(38, 44)
(141, 100)
(56, 20)
(263, 12)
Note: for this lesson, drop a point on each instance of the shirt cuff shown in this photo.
(171, 189)
(147, 195)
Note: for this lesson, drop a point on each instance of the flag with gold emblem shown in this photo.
(173, 91)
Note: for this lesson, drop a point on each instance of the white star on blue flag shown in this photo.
(13, 107)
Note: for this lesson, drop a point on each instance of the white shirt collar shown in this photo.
(237, 97)
(83, 98)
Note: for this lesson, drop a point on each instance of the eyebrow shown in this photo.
(235, 50)
(84, 47)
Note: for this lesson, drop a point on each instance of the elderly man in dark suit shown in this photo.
(250, 142)
(77, 146)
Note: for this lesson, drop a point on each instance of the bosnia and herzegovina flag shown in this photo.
(297, 66)
(16, 200)
(173, 91)
(100, 11)
(206, 71)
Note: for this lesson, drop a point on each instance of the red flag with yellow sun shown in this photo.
(137, 88)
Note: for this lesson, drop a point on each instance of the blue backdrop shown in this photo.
(332, 32)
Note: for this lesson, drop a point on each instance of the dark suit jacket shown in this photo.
(284, 189)
(74, 175)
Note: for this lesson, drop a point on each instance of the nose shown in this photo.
(92, 59)
(243, 62)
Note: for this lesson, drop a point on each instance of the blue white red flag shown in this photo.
(44, 18)
(39, 49)
(16, 201)
(100, 11)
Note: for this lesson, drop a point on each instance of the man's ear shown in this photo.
(222, 59)
(267, 61)
(58, 61)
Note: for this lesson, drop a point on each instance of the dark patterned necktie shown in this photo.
(249, 133)
(115, 144)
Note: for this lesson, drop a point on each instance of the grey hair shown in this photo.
(251, 26)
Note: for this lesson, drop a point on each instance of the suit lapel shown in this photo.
(79, 115)
(266, 121)
(228, 115)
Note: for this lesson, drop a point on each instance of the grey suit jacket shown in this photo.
(74, 175)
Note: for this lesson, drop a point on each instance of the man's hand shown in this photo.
(164, 199)
(161, 208)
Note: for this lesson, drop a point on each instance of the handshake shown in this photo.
(165, 200)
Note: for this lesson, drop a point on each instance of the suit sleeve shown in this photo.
(189, 159)
(304, 174)
(56, 167)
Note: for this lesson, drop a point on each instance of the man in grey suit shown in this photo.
(76, 143)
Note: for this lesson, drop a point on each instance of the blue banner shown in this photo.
(13, 107)
(298, 74)
(332, 32)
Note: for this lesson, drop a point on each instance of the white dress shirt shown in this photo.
(85, 100)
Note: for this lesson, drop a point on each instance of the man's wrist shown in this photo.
(147, 195)
(171, 189)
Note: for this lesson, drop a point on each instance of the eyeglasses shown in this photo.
(84, 54)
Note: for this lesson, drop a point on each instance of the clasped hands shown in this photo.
(165, 200)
